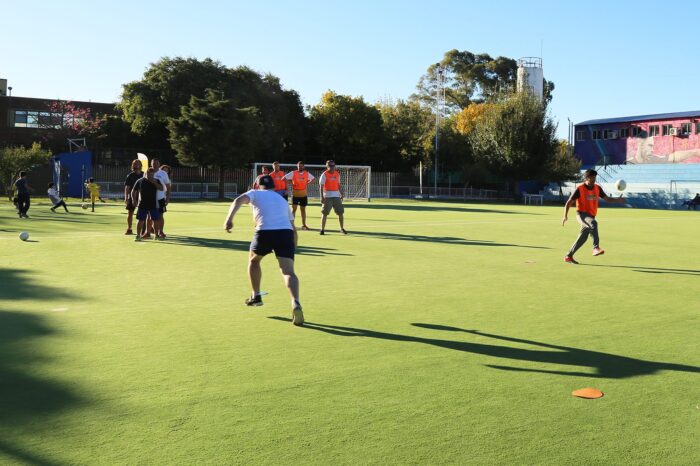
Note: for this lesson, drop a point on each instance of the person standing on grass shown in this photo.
(55, 198)
(131, 179)
(265, 171)
(22, 190)
(94, 190)
(300, 179)
(280, 183)
(274, 231)
(331, 196)
(144, 196)
(163, 198)
(585, 197)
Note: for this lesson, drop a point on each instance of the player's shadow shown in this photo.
(604, 365)
(635, 268)
(438, 239)
(427, 208)
(241, 245)
(25, 396)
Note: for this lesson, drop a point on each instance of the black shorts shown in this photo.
(302, 201)
(162, 203)
(130, 205)
(280, 241)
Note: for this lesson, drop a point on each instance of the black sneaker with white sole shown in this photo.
(254, 301)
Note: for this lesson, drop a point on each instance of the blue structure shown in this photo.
(71, 169)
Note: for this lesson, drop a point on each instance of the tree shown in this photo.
(563, 166)
(410, 131)
(466, 119)
(515, 138)
(15, 159)
(169, 84)
(212, 132)
(348, 129)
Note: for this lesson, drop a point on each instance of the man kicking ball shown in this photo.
(586, 198)
(274, 231)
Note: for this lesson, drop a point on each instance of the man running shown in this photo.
(22, 190)
(331, 196)
(274, 231)
(586, 199)
(300, 179)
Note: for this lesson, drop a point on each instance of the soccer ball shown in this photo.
(85, 206)
(24, 236)
(620, 185)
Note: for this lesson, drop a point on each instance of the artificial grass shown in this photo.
(436, 333)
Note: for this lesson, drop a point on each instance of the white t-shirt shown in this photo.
(53, 195)
(322, 182)
(164, 179)
(270, 210)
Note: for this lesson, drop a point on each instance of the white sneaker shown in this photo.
(297, 315)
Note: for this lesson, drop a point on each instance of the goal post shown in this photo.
(355, 179)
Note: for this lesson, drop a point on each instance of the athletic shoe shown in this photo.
(146, 236)
(570, 260)
(138, 238)
(129, 232)
(598, 252)
(297, 315)
(254, 301)
(321, 232)
(343, 231)
(161, 235)
(53, 209)
(304, 227)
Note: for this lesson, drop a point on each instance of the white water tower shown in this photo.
(531, 76)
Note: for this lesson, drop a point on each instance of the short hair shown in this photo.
(165, 167)
(50, 185)
(135, 161)
(21, 174)
(150, 170)
(275, 163)
(330, 161)
(266, 182)
(590, 173)
(300, 162)
(91, 180)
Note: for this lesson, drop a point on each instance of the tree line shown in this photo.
(215, 116)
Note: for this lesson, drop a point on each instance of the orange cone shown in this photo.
(590, 393)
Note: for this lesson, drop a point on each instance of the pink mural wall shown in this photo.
(664, 149)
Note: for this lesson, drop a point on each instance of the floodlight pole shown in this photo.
(438, 101)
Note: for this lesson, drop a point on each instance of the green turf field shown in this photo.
(436, 334)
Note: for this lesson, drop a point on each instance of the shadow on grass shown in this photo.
(26, 396)
(180, 240)
(649, 269)
(605, 365)
(438, 239)
(428, 208)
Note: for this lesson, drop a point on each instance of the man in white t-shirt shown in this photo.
(162, 197)
(274, 231)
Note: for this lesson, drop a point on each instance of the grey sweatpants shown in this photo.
(589, 226)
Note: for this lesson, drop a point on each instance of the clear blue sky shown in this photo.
(606, 58)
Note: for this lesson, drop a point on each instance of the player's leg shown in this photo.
(340, 211)
(284, 249)
(129, 217)
(255, 276)
(325, 210)
(141, 215)
(596, 239)
(63, 204)
(302, 205)
(582, 236)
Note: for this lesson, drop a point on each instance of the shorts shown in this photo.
(130, 205)
(142, 213)
(335, 203)
(280, 241)
(282, 193)
(162, 203)
(302, 201)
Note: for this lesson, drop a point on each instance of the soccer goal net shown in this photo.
(355, 179)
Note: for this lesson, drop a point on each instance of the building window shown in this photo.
(580, 135)
(636, 131)
(625, 133)
(653, 130)
(666, 130)
(20, 118)
(685, 128)
(609, 134)
(596, 134)
(34, 119)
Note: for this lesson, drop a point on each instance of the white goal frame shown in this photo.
(355, 179)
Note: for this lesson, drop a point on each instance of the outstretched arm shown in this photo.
(570, 203)
(235, 205)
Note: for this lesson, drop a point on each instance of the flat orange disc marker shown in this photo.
(590, 393)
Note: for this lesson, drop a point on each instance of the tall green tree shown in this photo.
(349, 130)
(563, 166)
(410, 132)
(515, 138)
(213, 132)
(15, 159)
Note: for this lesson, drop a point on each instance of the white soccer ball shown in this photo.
(24, 236)
(620, 185)
(84, 206)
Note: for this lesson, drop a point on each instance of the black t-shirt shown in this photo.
(21, 185)
(132, 178)
(601, 193)
(147, 194)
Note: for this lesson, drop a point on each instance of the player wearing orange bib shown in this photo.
(278, 177)
(585, 197)
(300, 179)
(331, 196)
